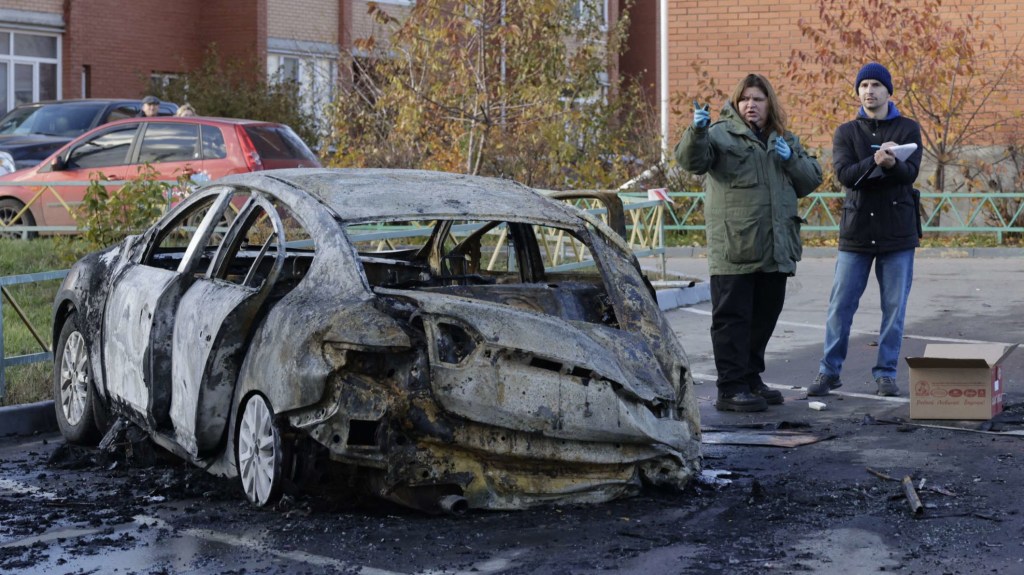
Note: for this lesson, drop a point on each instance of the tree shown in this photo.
(495, 87)
(954, 72)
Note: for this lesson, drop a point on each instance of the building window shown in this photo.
(29, 68)
(314, 74)
(590, 10)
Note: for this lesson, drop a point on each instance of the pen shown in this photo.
(875, 146)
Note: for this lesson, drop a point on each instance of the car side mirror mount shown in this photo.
(58, 164)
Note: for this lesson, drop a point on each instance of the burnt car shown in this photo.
(444, 341)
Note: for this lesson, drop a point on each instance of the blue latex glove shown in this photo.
(782, 149)
(701, 115)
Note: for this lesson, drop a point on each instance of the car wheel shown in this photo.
(73, 393)
(9, 209)
(259, 452)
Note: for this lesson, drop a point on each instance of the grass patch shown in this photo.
(29, 383)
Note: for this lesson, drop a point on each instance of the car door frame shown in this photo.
(136, 325)
(212, 329)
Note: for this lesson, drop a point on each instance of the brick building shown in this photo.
(53, 49)
(736, 38)
(109, 48)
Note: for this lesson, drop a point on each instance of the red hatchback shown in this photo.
(215, 147)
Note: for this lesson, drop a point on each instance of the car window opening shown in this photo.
(532, 267)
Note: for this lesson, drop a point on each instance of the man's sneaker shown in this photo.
(740, 401)
(823, 384)
(771, 396)
(886, 386)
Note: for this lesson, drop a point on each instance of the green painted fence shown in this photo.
(954, 213)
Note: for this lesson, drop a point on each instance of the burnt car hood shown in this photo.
(535, 372)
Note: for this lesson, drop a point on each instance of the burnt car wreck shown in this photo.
(447, 342)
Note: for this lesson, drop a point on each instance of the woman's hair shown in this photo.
(185, 110)
(776, 119)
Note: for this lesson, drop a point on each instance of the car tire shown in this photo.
(9, 207)
(259, 453)
(74, 394)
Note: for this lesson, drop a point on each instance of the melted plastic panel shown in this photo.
(131, 309)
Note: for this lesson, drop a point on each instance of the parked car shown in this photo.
(214, 147)
(308, 343)
(30, 133)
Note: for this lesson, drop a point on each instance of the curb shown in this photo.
(672, 298)
(28, 419)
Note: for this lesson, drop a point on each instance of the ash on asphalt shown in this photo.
(810, 509)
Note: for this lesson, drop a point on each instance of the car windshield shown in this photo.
(63, 120)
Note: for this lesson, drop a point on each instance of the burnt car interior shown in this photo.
(496, 261)
(250, 256)
(533, 267)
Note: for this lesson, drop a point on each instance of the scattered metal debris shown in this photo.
(913, 500)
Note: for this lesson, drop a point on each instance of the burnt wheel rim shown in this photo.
(258, 445)
(74, 378)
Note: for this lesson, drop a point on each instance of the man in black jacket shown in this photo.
(879, 226)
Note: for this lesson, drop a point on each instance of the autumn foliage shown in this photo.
(501, 88)
(954, 72)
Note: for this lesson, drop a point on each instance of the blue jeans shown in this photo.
(894, 271)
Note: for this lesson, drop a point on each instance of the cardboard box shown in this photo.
(960, 381)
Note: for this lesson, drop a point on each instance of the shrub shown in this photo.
(108, 214)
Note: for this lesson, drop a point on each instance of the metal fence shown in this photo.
(947, 213)
(646, 224)
(46, 354)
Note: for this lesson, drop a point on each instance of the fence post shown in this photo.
(661, 244)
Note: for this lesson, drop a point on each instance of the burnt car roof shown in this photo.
(358, 194)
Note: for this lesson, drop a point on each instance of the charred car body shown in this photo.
(398, 331)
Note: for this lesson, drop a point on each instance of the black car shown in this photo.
(31, 132)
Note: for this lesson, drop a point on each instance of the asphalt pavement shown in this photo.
(958, 296)
(830, 506)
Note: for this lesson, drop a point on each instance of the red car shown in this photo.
(214, 147)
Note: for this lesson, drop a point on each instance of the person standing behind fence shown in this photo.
(756, 170)
(879, 225)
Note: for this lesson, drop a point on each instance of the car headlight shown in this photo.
(7, 163)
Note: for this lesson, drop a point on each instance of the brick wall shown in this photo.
(123, 44)
(310, 20)
(363, 25)
(122, 47)
(239, 27)
(737, 37)
(641, 59)
(50, 6)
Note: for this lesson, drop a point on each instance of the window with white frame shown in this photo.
(584, 10)
(311, 66)
(29, 67)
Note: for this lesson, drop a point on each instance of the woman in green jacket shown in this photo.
(756, 171)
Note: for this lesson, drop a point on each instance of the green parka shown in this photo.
(750, 205)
